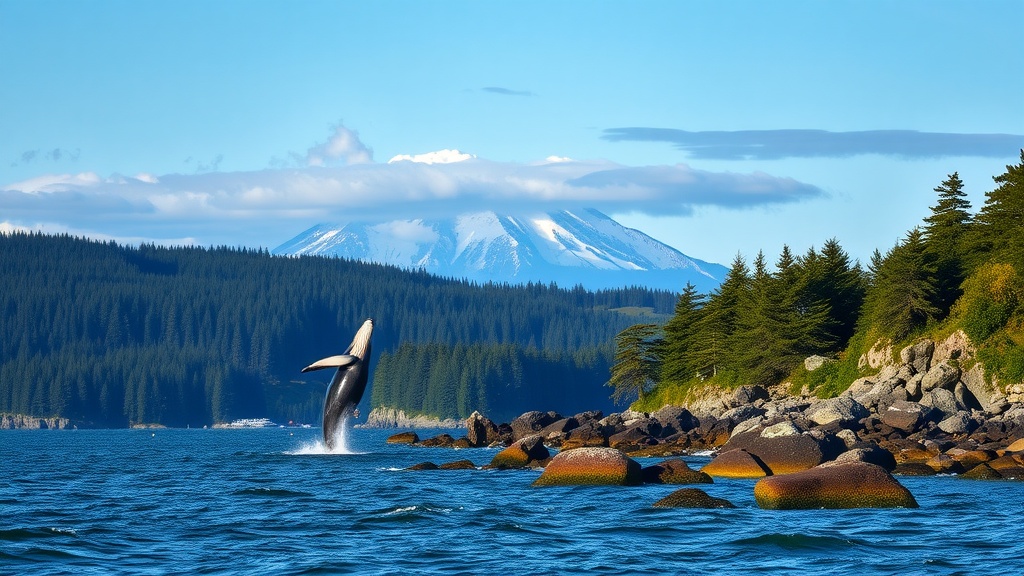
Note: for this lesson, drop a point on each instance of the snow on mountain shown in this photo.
(567, 247)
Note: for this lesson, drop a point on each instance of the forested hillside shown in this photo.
(956, 271)
(109, 335)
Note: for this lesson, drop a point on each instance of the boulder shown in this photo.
(634, 437)
(1016, 446)
(692, 498)
(439, 441)
(913, 386)
(480, 430)
(529, 451)
(458, 465)
(743, 413)
(945, 464)
(812, 363)
(982, 472)
(559, 427)
(675, 419)
(674, 471)
(736, 464)
(589, 435)
(784, 428)
(834, 485)
(957, 424)
(906, 416)
(409, 437)
(870, 453)
(788, 453)
(942, 400)
(971, 458)
(747, 395)
(918, 355)
(941, 375)
(530, 423)
(990, 398)
(913, 469)
(841, 409)
(591, 466)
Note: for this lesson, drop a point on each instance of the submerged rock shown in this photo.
(591, 466)
(834, 485)
(692, 498)
(674, 471)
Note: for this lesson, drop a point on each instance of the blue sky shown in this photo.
(716, 127)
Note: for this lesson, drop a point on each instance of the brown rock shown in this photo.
(529, 451)
(423, 466)
(591, 466)
(480, 430)
(674, 471)
(785, 454)
(403, 438)
(736, 464)
(846, 485)
(439, 441)
(913, 469)
(972, 458)
(458, 465)
(982, 472)
(692, 498)
(945, 464)
(1016, 446)
(587, 436)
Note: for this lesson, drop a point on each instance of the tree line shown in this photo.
(960, 268)
(112, 335)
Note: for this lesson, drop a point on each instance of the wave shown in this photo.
(272, 492)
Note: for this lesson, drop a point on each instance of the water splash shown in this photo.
(341, 443)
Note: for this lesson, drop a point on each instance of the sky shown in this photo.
(718, 128)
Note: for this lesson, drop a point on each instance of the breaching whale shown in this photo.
(349, 381)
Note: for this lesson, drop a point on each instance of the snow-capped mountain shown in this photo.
(568, 247)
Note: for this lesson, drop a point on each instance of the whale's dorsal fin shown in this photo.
(332, 362)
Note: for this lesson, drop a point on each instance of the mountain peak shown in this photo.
(569, 247)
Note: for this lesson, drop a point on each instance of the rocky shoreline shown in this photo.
(919, 415)
(23, 422)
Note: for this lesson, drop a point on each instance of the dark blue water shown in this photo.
(269, 501)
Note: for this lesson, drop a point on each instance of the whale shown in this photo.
(349, 381)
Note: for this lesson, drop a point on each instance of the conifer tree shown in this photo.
(678, 356)
(717, 320)
(945, 232)
(637, 365)
(902, 298)
(1000, 222)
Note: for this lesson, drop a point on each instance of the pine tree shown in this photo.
(902, 298)
(1000, 222)
(678, 357)
(717, 321)
(945, 232)
(637, 364)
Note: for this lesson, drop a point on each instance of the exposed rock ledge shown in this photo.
(23, 422)
(384, 417)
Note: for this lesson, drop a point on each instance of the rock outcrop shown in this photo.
(835, 485)
(591, 466)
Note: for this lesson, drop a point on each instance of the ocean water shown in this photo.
(271, 501)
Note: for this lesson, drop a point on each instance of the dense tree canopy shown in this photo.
(112, 335)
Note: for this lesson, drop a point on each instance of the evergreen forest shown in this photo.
(111, 336)
(958, 270)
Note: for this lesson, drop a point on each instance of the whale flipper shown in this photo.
(332, 362)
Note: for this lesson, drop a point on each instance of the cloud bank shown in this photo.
(206, 205)
(778, 144)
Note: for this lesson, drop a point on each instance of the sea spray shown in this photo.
(341, 443)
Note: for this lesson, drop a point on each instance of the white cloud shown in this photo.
(556, 159)
(439, 157)
(255, 204)
(343, 147)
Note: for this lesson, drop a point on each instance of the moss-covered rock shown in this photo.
(982, 472)
(529, 451)
(839, 485)
(736, 464)
(458, 465)
(692, 498)
(591, 466)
